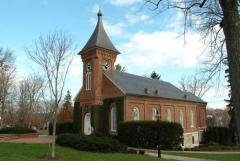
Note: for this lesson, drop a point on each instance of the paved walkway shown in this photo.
(208, 152)
(174, 157)
(41, 139)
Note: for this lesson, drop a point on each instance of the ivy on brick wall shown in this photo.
(101, 114)
(77, 119)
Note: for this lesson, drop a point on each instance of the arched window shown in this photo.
(136, 113)
(87, 124)
(88, 76)
(191, 118)
(181, 118)
(113, 118)
(169, 115)
(154, 114)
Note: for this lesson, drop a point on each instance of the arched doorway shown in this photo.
(87, 124)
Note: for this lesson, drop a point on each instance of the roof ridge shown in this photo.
(143, 77)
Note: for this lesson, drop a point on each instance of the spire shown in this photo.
(99, 13)
(99, 38)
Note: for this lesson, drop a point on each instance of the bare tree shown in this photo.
(29, 97)
(218, 117)
(9, 118)
(53, 54)
(194, 85)
(7, 74)
(219, 23)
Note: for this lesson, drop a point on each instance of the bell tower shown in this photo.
(98, 56)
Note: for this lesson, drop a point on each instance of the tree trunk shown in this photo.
(2, 114)
(53, 138)
(231, 28)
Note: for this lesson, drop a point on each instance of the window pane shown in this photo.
(136, 113)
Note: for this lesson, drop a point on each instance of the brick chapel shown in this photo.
(108, 97)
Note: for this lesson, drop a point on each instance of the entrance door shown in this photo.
(87, 124)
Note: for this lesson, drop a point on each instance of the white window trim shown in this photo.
(191, 119)
(181, 118)
(137, 116)
(154, 114)
(113, 118)
(88, 80)
(169, 115)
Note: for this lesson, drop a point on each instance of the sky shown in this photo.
(148, 41)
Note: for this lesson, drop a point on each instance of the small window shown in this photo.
(136, 113)
(181, 118)
(88, 81)
(193, 141)
(191, 118)
(88, 78)
(169, 115)
(154, 114)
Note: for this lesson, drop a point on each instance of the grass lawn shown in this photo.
(33, 152)
(218, 157)
(42, 132)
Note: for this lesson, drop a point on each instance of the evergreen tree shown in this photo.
(67, 97)
(120, 68)
(154, 75)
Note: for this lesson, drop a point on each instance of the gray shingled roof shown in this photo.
(99, 38)
(135, 85)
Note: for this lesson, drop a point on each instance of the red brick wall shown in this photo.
(109, 90)
(97, 57)
(146, 104)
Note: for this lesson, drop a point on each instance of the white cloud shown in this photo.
(135, 18)
(215, 97)
(76, 67)
(112, 29)
(123, 2)
(177, 22)
(95, 8)
(161, 49)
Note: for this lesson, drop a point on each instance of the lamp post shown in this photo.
(159, 150)
(158, 145)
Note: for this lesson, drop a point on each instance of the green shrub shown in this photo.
(148, 134)
(90, 143)
(16, 130)
(61, 128)
(219, 135)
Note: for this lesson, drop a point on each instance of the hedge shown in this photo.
(61, 128)
(16, 130)
(148, 134)
(90, 143)
(220, 135)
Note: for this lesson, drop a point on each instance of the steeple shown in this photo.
(99, 38)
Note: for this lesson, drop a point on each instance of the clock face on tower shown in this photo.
(89, 67)
(106, 66)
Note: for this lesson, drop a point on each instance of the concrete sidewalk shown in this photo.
(207, 152)
(41, 139)
(174, 157)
